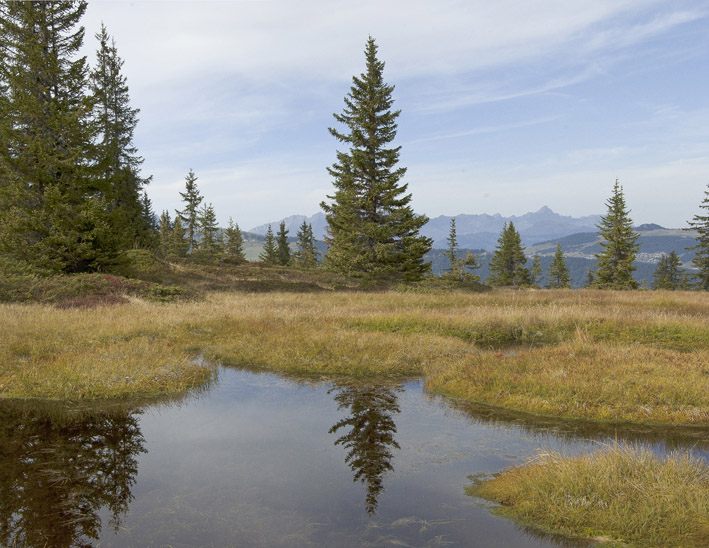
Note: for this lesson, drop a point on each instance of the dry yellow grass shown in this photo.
(597, 355)
(623, 494)
(96, 353)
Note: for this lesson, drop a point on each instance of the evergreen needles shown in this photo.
(619, 247)
(700, 223)
(69, 173)
(372, 230)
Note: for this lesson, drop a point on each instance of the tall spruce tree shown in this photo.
(373, 233)
(700, 223)
(117, 159)
(269, 254)
(53, 212)
(507, 264)
(615, 261)
(307, 254)
(282, 247)
(190, 215)
(558, 272)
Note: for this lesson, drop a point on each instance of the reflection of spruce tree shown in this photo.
(371, 434)
(55, 476)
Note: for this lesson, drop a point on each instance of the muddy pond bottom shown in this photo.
(260, 460)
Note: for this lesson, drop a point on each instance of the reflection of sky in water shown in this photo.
(251, 463)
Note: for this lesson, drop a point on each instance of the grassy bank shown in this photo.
(640, 357)
(621, 495)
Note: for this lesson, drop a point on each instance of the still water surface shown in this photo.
(259, 460)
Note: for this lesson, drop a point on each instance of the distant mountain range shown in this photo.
(540, 231)
(473, 231)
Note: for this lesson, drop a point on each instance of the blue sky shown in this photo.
(507, 106)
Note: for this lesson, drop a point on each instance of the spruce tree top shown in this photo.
(372, 125)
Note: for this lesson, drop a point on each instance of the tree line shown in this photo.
(194, 235)
(73, 195)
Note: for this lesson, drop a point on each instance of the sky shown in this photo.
(506, 106)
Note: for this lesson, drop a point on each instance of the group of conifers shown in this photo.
(73, 197)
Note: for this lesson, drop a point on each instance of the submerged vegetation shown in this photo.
(622, 495)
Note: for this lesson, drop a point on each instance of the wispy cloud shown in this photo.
(242, 91)
(484, 130)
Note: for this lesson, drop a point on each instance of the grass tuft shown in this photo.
(622, 493)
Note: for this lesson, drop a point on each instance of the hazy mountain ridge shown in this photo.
(293, 224)
(482, 231)
(477, 231)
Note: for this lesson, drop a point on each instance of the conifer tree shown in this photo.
(452, 251)
(590, 279)
(458, 266)
(373, 233)
(269, 255)
(117, 159)
(615, 261)
(536, 272)
(668, 274)
(558, 273)
(180, 244)
(507, 264)
(307, 254)
(53, 214)
(148, 224)
(234, 243)
(471, 262)
(190, 215)
(209, 231)
(282, 247)
(700, 223)
(165, 233)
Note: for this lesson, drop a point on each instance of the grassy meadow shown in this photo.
(640, 357)
(597, 355)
